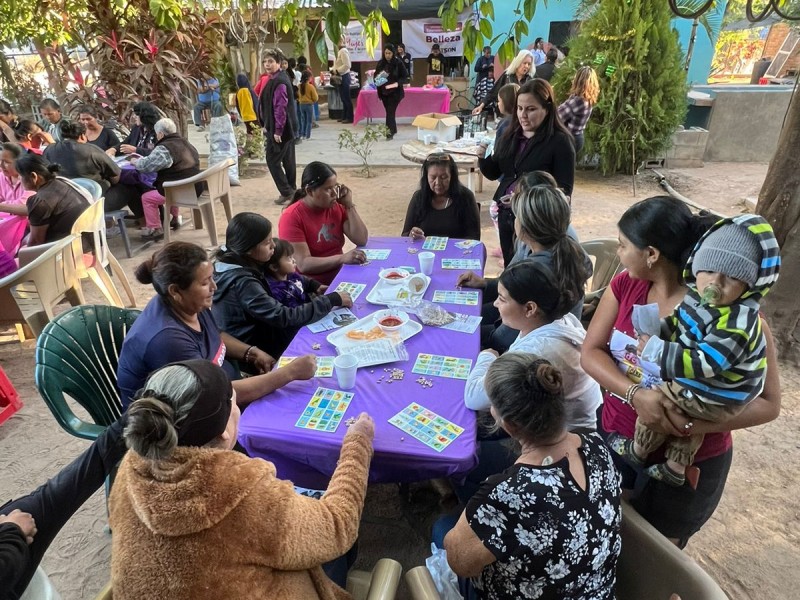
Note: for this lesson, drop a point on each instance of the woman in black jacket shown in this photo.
(535, 140)
(390, 73)
(243, 305)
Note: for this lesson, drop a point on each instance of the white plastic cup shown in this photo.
(346, 366)
(426, 262)
(427, 139)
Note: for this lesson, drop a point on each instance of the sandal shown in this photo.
(663, 473)
(624, 447)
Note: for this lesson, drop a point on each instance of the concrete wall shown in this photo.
(745, 121)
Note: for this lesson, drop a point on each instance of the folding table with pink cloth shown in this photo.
(416, 101)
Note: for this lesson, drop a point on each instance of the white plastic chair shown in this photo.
(183, 193)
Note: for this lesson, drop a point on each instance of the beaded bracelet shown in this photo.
(630, 393)
(247, 354)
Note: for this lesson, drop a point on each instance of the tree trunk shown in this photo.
(779, 203)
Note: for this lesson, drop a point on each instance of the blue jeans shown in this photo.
(347, 101)
(316, 111)
(197, 114)
(306, 117)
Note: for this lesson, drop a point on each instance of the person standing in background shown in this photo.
(546, 69)
(307, 97)
(278, 111)
(407, 62)
(391, 72)
(342, 66)
(302, 65)
(484, 75)
(246, 101)
(539, 57)
(435, 61)
(576, 110)
(207, 99)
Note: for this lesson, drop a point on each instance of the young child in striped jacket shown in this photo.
(711, 350)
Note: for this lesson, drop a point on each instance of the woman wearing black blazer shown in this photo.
(390, 73)
(535, 140)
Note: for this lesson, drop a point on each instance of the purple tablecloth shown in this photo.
(308, 458)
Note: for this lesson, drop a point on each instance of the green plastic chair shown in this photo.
(77, 354)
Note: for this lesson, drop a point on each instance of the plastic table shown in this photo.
(308, 458)
(416, 101)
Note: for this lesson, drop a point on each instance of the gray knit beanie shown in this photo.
(731, 250)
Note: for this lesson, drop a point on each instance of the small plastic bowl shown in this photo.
(393, 276)
(391, 316)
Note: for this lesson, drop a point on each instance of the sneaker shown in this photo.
(298, 141)
(624, 447)
(176, 222)
(153, 234)
(282, 200)
(200, 128)
(112, 231)
(314, 125)
(663, 473)
(389, 136)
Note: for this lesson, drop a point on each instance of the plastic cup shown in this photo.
(426, 262)
(346, 366)
(427, 139)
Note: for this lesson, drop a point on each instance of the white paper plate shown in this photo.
(339, 337)
(389, 294)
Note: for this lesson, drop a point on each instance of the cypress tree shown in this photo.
(635, 51)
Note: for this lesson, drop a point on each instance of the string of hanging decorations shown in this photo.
(763, 9)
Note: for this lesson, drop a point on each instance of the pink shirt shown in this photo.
(12, 227)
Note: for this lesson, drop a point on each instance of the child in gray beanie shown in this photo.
(711, 350)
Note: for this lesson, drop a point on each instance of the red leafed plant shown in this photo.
(136, 60)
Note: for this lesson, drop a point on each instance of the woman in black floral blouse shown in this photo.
(547, 527)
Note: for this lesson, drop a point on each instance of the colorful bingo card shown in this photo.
(443, 366)
(324, 365)
(375, 254)
(354, 289)
(325, 410)
(461, 264)
(435, 243)
(426, 426)
(456, 297)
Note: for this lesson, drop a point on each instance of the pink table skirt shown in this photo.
(416, 102)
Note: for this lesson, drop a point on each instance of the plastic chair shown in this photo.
(421, 585)
(94, 264)
(28, 296)
(650, 566)
(77, 354)
(183, 193)
(606, 264)
(381, 584)
(116, 217)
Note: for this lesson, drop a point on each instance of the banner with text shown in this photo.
(420, 34)
(356, 44)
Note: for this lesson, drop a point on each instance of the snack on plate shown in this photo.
(372, 334)
(416, 283)
(432, 314)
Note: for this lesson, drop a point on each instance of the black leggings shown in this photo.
(390, 103)
(505, 229)
(54, 503)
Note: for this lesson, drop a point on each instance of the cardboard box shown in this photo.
(436, 127)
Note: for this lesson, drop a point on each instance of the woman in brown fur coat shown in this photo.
(193, 519)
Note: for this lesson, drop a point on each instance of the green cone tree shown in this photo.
(635, 51)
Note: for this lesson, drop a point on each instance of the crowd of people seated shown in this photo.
(540, 514)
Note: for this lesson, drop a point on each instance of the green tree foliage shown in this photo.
(635, 51)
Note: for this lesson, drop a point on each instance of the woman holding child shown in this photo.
(254, 299)
(656, 237)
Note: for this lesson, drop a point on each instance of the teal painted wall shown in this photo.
(564, 10)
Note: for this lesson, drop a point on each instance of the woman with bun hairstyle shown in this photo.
(316, 222)
(244, 304)
(549, 525)
(78, 158)
(177, 324)
(55, 205)
(529, 301)
(656, 236)
(543, 233)
(194, 517)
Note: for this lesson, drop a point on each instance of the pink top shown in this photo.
(12, 227)
(620, 417)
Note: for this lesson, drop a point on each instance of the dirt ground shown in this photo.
(750, 546)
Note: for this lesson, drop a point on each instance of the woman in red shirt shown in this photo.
(316, 222)
(656, 237)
